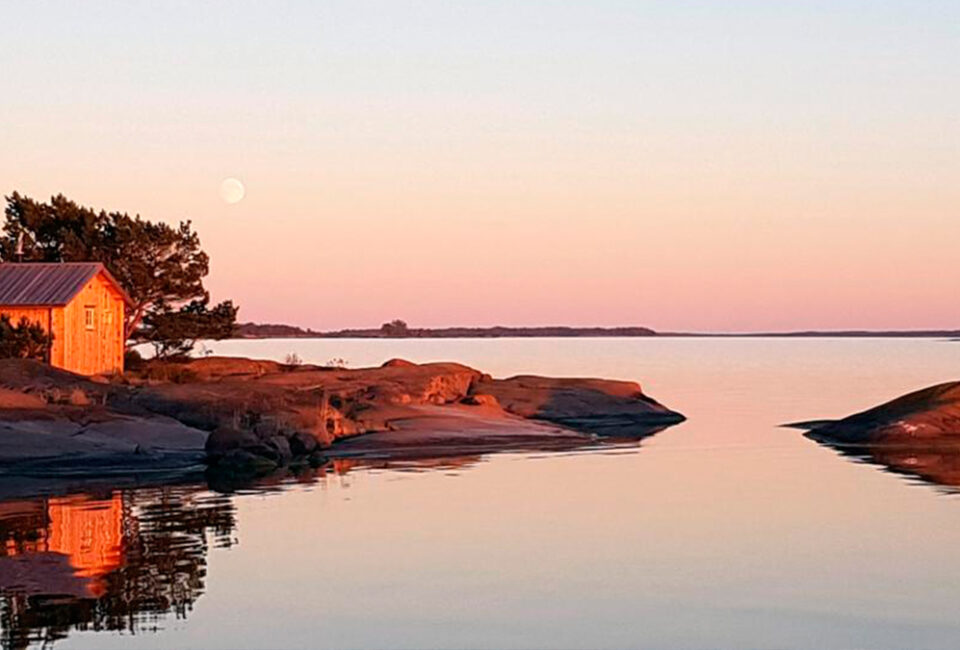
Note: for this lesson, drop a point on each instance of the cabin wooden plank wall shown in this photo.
(87, 331)
(92, 330)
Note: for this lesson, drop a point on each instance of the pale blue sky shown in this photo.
(555, 141)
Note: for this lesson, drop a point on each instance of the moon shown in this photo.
(232, 190)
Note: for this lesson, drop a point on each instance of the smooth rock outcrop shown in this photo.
(916, 435)
(256, 415)
(456, 430)
(327, 403)
(601, 406)
(925, 415)
(61, 441)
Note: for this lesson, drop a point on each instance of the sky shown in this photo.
(697, 166)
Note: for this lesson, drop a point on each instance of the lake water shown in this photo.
(725, 531)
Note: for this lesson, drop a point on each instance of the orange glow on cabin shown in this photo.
(87, 329)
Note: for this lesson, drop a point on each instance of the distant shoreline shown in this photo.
(277, 331)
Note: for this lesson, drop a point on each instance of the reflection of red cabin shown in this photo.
(85, 534)
(90, 533)
(80, 303)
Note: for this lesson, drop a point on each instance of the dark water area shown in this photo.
(727, 530)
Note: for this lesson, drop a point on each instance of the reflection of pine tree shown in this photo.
(165, 545)
(166, 533)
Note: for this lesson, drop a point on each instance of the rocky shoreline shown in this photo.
(916, 435)
(931, 414)
(249, 416)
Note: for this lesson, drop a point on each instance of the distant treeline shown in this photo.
(399, 330)
(273, 331)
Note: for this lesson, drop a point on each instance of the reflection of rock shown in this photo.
(933, 462)
(344, 466)
(928, 414)
(916, 435)
(938, 463)
(114, 563)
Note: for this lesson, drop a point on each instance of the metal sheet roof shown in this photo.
(42, 284)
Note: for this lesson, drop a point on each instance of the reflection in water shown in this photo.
(122, 559)
(344, 466)
(935, 462)
(117, 562)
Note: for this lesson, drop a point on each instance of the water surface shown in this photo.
(724, 531)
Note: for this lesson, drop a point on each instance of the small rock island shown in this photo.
(925, 415)
(253, 416)
(916, 435)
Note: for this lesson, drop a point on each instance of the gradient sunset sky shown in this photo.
(717, 165)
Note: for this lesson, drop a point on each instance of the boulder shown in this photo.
(480, 399)
(282, 448)
(78, 398)
(225, 439)
(398, 363)
(302, 444)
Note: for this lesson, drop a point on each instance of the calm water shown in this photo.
(725, 531)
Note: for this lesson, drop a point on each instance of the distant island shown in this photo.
(273, 331)
(399, 329)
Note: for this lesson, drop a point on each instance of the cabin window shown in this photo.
(90, 317)
(107, 320)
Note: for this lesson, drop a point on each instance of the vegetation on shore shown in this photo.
(23, 340)
(160, 266)
(399, 329)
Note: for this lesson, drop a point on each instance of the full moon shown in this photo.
(232, 190)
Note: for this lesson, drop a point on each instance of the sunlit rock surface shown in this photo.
(258, 415)
(916, 436)
(930, 413)
(600, 406)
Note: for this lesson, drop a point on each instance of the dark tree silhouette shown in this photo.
(160, 266)
(25, 340)
(395, 328)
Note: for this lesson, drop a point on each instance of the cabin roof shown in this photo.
(42, 284)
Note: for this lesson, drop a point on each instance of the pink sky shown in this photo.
(771, 170)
